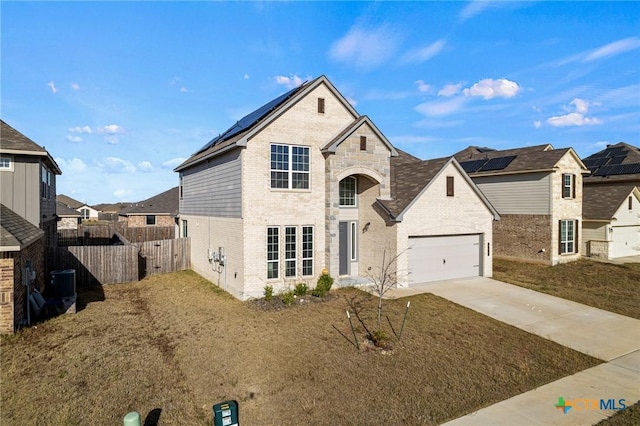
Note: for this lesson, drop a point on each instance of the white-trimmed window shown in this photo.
(84, 213)
(567, 236)
(347, 191)
(6, 164)
(273, 252)
(289, 167)
(290, 251)
(568, 186)
(185, 229)
(307, 250)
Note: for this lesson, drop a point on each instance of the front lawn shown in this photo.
(607, 286)
(173, 345)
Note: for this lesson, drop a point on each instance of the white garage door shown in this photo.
(444, 257)
(626, 241)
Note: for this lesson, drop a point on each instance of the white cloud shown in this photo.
(246, 76)
(75, 86)
(290, 82)
(365, 48)
(78, 129)
(116, 165)
(613, 49)
(422, 86)
(572, 119)
(74, 165)
(173, 81)
(537, 124)
(52, 87)
(439, 108)
(473, 8)
(145, 166)
(122, 193)
(173, 163)
(112, 129)
(72, 138)
(578, 107)
(183, 90)
(490, 88)
(450, 90)
(425, 53)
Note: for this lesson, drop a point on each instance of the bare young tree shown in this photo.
(384, 278)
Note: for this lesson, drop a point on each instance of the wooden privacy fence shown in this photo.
(121, 263)
(104, 234)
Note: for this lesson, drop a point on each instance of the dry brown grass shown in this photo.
(177, 344)
(606, 286)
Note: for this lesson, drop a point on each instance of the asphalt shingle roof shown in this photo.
(616, 163)
(69, 202)
(602, 201)
(165, 203)
(539, 157)
(13, 140)
(63, 210)
(16, 231)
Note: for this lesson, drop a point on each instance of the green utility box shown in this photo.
(225, 414)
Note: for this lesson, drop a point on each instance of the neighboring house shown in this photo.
(306, 183)
(159, 210)
(22, 264)
(68, 218)
(611, 206)
(538, 192)
(86, 211)
(28, 180)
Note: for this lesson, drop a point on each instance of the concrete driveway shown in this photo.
(592, 331)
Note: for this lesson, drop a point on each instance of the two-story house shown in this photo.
(538, 192)
(27, 222)
(611, 202)
(306, 183)
(86, 211)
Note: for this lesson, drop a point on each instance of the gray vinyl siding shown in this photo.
(528, 193)
(594, 231)
(213, 188)
(20, 188)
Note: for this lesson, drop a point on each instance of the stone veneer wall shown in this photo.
(599, 249)
(523, 236)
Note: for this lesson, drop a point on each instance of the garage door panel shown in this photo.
(443, 257)
(626, 241)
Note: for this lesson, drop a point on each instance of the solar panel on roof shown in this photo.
(473, 165)
(250, 119)
(617, 159)
(496, 163)
(596, 162)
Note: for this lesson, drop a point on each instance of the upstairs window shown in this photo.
(6, 164)
(347, 189)
(449, 186)
(568, 186)
(289, 167)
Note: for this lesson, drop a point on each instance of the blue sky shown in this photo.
(121, 92)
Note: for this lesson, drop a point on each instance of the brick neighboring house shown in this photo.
(159, 210)
(28, 180)
(305, 183)
(86, 211)
(538, 192)
(611, 202)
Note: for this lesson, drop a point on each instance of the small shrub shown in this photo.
(301, 289)
(288, 297)
(268, 293)
(324, 285)
(378, 337)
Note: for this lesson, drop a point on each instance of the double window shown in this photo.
(347, 190)
(289, 167)
(294, 254)
(85, 213)
(568, 236)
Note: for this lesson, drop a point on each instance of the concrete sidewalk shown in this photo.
(592, 331)
(605, 335)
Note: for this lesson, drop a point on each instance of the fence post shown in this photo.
(132, 419)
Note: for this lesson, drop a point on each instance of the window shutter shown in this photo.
(450, 186)
(559, 237)
(575, 237)
(573, 185)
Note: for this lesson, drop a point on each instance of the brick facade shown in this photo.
(523, 236)
(140, 221)
(12, 290)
